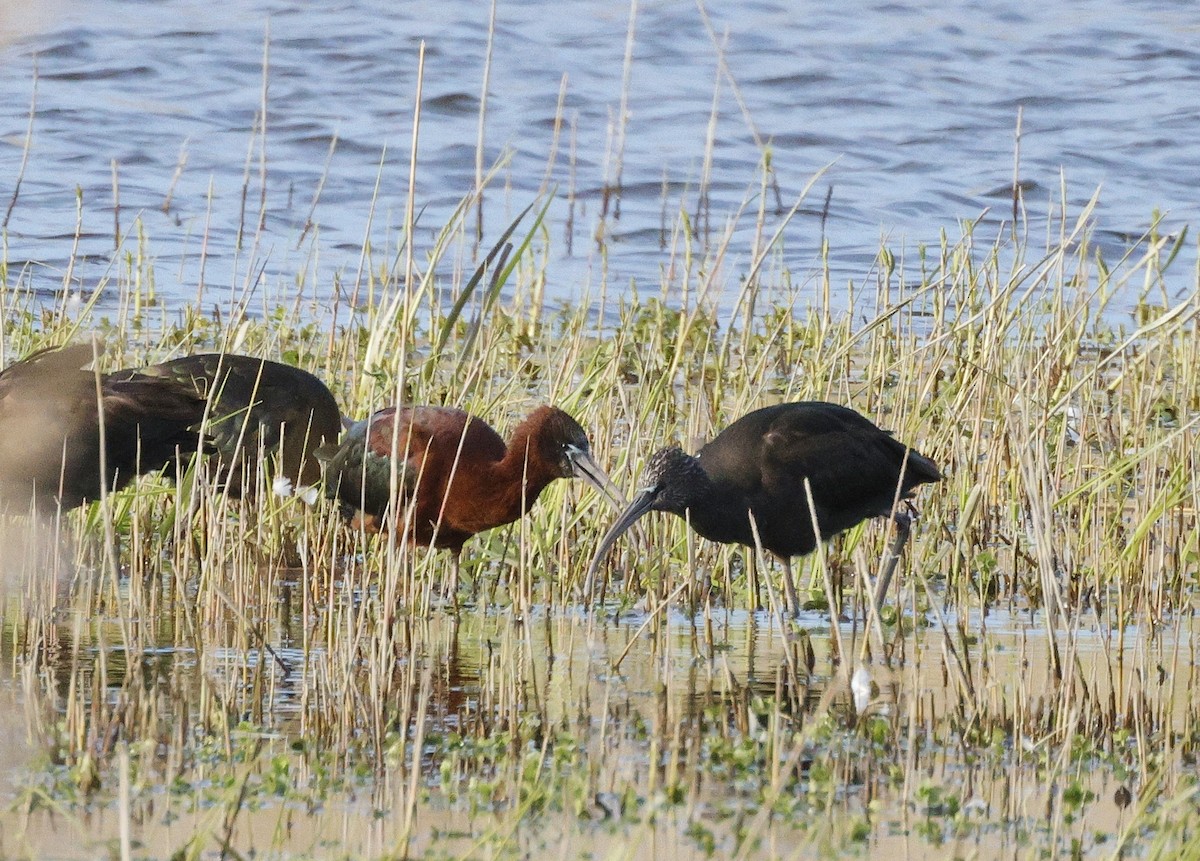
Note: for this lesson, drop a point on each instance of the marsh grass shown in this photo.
(205, 677)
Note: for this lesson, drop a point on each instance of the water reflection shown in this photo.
(708, 704)
(482, 666)
(331, 667)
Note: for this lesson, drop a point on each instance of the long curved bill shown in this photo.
(590, 471)
(642, 503)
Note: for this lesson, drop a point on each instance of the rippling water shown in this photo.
(913, 106)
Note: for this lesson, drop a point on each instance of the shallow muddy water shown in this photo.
(910, 108)
(622, 687)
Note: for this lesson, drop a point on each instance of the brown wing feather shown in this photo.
(50, 428)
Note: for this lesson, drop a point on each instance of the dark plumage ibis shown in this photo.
(51, 431)
(452, 475)
(256, 408)
(752, 478)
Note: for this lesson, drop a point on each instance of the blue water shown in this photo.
(910, 109)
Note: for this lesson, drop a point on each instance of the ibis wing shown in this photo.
(45, 364)
(44, 403)
(258, 407)
(50, 426)
(148, 423)
(359, 471)
(853, 469)
(254, 402)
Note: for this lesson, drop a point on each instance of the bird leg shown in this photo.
(903, 521)
(451, 589)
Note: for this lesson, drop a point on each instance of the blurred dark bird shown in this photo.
(257, 409)
(748, 486)
(52, 438)
(453, 475)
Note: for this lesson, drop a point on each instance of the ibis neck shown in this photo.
(712, 511)
(690, 491)
(521, 475)
(522, 469)
(716, 518)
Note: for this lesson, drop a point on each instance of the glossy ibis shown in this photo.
(753, 476)
(256, 408)
(51, 435)
(453, 475)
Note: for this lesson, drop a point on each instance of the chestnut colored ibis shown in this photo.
(51, 434)
(752, 478)
(453, 475)
(256, 408)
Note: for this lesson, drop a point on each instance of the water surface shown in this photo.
(911, 109)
